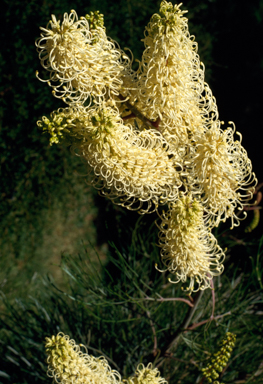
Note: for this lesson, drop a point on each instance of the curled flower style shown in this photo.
(188, 248)
(146, 375)
(82, 62)
(129, 167)
(67, 364)
(223, 173)
(171, 78)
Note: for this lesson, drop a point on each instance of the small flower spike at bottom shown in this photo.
(67, 364)
(219, 360)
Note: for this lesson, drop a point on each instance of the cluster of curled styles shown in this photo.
(188, 248)
(67, 365)
(82, 61)
(134, 169)
(146, 375)
(150, 137)
(223, 175)
(171, 78)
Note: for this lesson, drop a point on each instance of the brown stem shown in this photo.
(206, 321)
(252, 208)
(213, 299)
(162, 299)
(154, 334)
(258, 187)
(130, 116)
(176, 337)
(135, 112)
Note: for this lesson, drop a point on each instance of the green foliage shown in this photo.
(128, 311)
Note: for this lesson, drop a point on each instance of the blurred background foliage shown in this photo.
(127, 311)
(47, 209)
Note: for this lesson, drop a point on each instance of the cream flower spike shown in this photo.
(221, 168)
(131, 168)
(67, 364)
(188, 249)
(146, 375)
(81, 62)
(171, 78)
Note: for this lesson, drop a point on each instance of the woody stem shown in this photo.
(136, 113)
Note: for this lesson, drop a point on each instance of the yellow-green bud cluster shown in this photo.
(59, 350)
(166, 19)
(218, 360)
(63, 124)
(55, 127)
(69, 124)
(95, 19)
(102, 121)
(187, 212)
(146, 375)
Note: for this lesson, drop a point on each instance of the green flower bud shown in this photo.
(95, 19)
(219, 359)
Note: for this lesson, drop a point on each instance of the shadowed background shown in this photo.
(46, 207)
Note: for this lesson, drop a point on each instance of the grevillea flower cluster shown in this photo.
(188, 248)
(146, 375)
(150, 137)
(81, 61)
(67, 364)
(136, 166)
(222, 173)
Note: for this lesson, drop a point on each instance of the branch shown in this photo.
(212, 317)
(176, 337)
(186, 321)
(213, 298)
(162, 299)
(136, 113)
(206, 321)
(154, 334)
